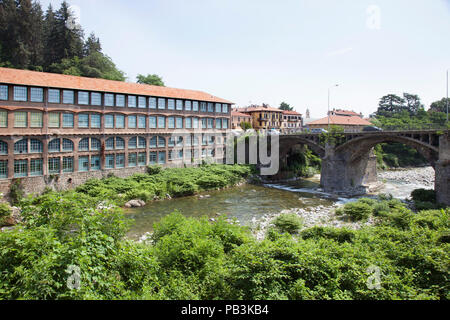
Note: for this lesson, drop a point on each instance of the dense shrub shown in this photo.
(424, 195)
(357, 210)
(289, 222)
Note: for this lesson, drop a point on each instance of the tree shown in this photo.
(151, 79)
(440, 106)
(413, 103)
(286, 107)
(390, 103)
(246, 125)
(92, 45)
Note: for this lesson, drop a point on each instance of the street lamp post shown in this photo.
(329, 89)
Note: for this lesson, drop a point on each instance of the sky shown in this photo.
(266, 51)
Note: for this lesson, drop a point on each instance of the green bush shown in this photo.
(290, 223)
(424, 195)
(340, 235)
(16, 192)
(357, 210)
(154, 169)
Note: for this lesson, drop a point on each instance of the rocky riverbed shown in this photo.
(416, 176)
(320, 216)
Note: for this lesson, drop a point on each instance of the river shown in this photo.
(250, 203)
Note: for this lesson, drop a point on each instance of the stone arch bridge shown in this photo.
(350, 164)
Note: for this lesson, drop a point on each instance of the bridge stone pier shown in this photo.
(350, 166)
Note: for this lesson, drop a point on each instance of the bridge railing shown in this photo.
(416, 127)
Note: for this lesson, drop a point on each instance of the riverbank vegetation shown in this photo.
(68, 247)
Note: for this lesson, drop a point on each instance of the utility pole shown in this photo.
(447, 96)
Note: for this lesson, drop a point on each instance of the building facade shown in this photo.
(349, 123)
(238, 118)
(292, 121)
(264, 117)
(61, 130)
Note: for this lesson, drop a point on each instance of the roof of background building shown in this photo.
(43, 79)
(342, 120)
(346, 112)
(239, 114)
(259, 108)
(293, 113)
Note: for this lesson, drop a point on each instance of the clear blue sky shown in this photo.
(272, 51)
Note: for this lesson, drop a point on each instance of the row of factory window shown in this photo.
(25, 119)
(26, 146)
(35, 167)
(35, 94)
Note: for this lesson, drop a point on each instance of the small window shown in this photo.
(120, 160)
(188, 105)
(188, 123)
(170, 104)
(109, 144)
(20, 119)
(83, 145)
(131, 101)
(54, 165)
(83, 120)
(96, 121)
(20, 93)
(53, 120)
(95, 144)
(132, 160)
(142, 102)
(3, 92)
(67, 145)
(142, 143)
(36, 120)
(21, 147)
(162, 157)
(83, 163)
(152, 121)
(67, 164)
(195, 106)
(154, 142)
(54, 145)
(109, 161)
(4, 169)
(95, 163)
(120, 100)
(179, 123)
(120, 121)
(3, 148)
(37, 95)
(54, 96)
(152, 103)
(195, 123)
(171, 122)
(132, 143)
(132, 122)
(153, 157)
(218, 108)
(161, 142)
(161, 103)
(36, 146)
(96, 99)
(109, 100)
(20, 168)
(224, 108)
(210, 107)
(68, 96)
(142, 158)
(179, 105)
(3, 119)
(203, 106)
(109, 121)
(67, 120)
(83, 97)
(161, 122)
(142, 122)
(120, 144)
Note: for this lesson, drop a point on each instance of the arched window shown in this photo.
(132, 143)
(161, 142)
(95, 144)
(3, 148)
(36, 146)
(67, 145)
(153, 142)
(142, 143)
(83, 145)
(21, 147)
(120, 143)
(109, 144)
(54, 145)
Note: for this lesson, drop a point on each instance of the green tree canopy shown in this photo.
(440, 106)
(152, 79)
(286, 107)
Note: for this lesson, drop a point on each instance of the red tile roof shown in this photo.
(258, 108)
(43, 79)
(291, 113)
(346, 112)
(239, 114)
(342, 120)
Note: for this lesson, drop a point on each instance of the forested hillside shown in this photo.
(50, 41)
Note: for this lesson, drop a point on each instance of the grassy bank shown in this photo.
(160, 183)
(69, 248)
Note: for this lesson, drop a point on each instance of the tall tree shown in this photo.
(389, 104)
(151, 79)
(286, 107)
(92, 45)
(413, 103)
(440, 106)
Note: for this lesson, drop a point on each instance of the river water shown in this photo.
(248, 202)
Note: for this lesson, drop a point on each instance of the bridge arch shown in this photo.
(360, 146)
(287, 142)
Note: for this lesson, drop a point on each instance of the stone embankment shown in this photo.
(418, 176)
